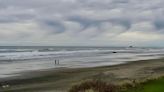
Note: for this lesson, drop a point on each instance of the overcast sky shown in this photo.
(82, 22)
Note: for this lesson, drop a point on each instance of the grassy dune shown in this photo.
(153, 85)
(156, 85)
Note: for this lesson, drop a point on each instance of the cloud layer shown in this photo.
(82, 22)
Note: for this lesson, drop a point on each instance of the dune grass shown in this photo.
(156, 85)
(153, 85)
(94, 86)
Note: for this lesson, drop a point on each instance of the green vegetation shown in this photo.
(94, 86)
(156, 85)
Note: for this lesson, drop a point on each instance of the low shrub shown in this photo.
(94, 86)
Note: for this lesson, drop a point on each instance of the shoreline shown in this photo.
(44, 72)
(63, 78)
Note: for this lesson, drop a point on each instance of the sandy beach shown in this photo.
(86, 45)
(60, 80)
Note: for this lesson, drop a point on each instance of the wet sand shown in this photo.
(60, 80)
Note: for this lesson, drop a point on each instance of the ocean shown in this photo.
(17, 59)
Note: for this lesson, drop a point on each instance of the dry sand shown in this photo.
(60, 80)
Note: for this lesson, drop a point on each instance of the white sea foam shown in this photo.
(34, 58)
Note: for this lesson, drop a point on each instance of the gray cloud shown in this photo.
(52, 26)
(75, 21)
(159, 24)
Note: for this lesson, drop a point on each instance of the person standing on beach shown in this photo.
(55, 62)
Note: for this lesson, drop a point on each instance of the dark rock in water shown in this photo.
(130, 46)
(114, 52)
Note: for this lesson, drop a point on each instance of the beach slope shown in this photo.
(62, 79)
